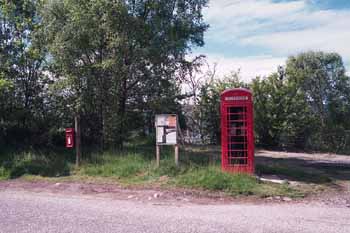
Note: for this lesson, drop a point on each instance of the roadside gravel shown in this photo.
(23, 211)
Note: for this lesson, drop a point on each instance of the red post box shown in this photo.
(70, 138)
(237, 131)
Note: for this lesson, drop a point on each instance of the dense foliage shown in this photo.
(303, 106)
(208, 112)
(22, 80)
(115, 64)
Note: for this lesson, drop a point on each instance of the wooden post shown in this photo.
(177, 155)
(77, 140)
(158, 155)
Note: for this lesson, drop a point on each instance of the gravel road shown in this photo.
(23, 211)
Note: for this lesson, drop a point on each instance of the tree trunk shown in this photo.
(77, 140)
(121, 114)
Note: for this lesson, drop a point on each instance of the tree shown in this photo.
(304, 106)
(282, 117)
(195, 78)
(21, 60)
(321, 77)
(209, 105)
(119, 56)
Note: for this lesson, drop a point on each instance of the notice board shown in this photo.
(166, 129)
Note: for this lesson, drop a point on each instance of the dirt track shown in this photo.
(316, 157)
(333, 166)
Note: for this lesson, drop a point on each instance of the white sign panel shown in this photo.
(166, 129)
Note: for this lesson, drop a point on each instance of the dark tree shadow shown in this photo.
(310, 171)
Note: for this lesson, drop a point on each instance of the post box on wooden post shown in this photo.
(69, 138)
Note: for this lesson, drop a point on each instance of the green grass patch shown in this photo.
(129, 168)
(115, 166)
(284, 190)
(212, 178)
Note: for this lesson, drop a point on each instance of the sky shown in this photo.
(256, 36)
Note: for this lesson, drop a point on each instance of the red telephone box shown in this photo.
(70, 138)
(237, 131)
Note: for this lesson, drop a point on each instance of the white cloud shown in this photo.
(332, 37)
(283, 28)
(233, 19)
(228, 9)
(250, 67)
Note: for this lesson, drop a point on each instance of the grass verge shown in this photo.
(212, 178)
(137, 168)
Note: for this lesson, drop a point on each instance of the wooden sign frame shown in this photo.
(166, 125)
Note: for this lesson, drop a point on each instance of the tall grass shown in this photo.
(109, 165)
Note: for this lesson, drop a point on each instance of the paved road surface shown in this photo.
(22, 211)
